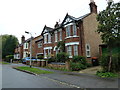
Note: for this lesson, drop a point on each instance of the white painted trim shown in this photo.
(72, 43)
(47, 48)
(55, 48)
(70, 56)
(39, 53)
(69, 24)
(71, 36)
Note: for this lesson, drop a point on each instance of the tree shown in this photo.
(61, 46)
(109, 27)
(9, 43)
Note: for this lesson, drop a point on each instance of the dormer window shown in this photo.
(74, 30)
(56, 36)
(49, 38)
(25, 45)
(45, 38)
(68, 31)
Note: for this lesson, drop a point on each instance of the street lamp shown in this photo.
(30, 47)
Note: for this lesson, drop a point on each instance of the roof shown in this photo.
(73, 19)
(49, 29)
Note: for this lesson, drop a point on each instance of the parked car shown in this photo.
(28, 59)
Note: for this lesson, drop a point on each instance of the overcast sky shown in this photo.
(18, 16)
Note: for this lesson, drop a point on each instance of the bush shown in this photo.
(40, 57)
(52, 59)
(106, 74)
(88, 64)
(62, 57)
(80, 59)
(77, 66)
(104, 62)
(9, 57)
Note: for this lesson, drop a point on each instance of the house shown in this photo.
(78, 34)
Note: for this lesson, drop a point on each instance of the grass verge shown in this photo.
(4, 63)
(34, 70)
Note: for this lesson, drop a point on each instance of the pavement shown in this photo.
(78, 79)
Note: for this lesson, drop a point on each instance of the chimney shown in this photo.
(22, 38)
(56, 25)
(93, 7)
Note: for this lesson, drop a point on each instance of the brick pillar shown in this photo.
(67, 63)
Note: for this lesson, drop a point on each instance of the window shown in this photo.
(74, 30)
(39, 44)
(68, 31)
(49, 52)
(25, 45)
(75, 50)
(69, 50)
(56, 36)
(45, 54)
(45, 38)
(88, 50)
(60, 35)
(49, 38)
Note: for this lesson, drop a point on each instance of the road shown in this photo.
(12, 78)
(17, 79)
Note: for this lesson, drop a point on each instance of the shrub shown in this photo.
(52, 59)
(104, 62)
(80, 59)
(62, 57)
(40, 57)
(9, 57)
(77, 66)
(106, 74)
(88, 64)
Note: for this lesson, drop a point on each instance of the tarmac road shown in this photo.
(12, 78)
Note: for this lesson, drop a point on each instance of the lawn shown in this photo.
(34, 70)
(4, 63)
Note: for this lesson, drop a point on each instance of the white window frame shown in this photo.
(45, 38)
(56, 36)
(74, 30)
(45, 54)
(40, 44)
(69, 50)
(26, 45)
(68, 33)
(49, 38)
(75, 50)
(60, 35)
(88, 50)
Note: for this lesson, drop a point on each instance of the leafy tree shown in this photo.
(61, 46)
(109, 27)
(9, 43)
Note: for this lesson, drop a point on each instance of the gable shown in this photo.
(67, 20)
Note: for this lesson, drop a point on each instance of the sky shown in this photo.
(18, 16)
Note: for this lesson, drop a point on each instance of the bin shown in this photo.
(95, 61)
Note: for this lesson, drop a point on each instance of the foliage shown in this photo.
(34, 70)
(52, 59)
(9, 43)
(88, 64)
(40, 57)
(62, 57)
(9, 57)
(109, 29)
(104, 61)
(61, 46)
(77, 66)
(106, 74)
(80, 59)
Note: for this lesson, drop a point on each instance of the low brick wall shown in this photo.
(60, 66)
(41, 63)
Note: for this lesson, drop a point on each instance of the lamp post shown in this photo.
(30, 47)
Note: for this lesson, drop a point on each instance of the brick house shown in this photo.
(78, 34)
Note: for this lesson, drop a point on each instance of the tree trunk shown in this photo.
(110, 59)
